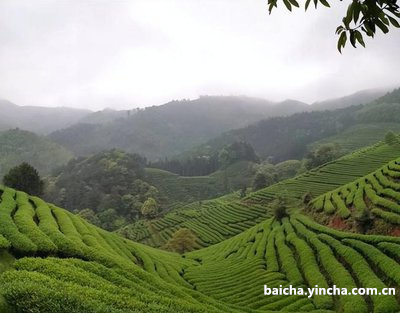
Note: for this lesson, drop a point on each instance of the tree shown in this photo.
(183, 240)
(391, 139)
(323, 154)
(362, 16)
(90, 216)
(260, 181)
(149, 208)
(279, 208)
(24, 177)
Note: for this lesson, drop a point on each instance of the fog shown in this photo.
(123, 54)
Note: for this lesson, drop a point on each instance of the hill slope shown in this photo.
(17, 146)
(376, 194)
(40, 120)
(168, 129)
(112, 186)
(53, 261)
(287, 137)
(216, 220)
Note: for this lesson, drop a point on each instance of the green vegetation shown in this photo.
(351, 127)
(183, 240)
(216, 220)
(149, 208)
(172, 128)
(26, 178)
(110, 183)
(376, 193)
(357, 137)
(58, 262)
(299, 252)
(110, 188)
(18, 146)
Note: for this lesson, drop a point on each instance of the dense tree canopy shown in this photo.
(362, 17)
(204, 164)
(111, 183)
(26, 178)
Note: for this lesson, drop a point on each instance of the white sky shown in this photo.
(123, 54)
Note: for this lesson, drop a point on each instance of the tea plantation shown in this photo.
(216, 220)
(377, 193)
(53, 261)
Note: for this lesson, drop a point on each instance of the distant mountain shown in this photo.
(169, 129)
(360, 97)
(287, 137)
(106, 116)
(17, 146)
(40, 120)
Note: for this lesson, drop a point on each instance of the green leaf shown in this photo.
(339, 30)
(382, 26)
(370, 28)
(342, 41)
(394, 22)
(359, 38)
(287, 4)
(325, 3)
(294, 3)
(384, 19)
(353, 39)
(270, 7)
(349, 15)
(307, 4)
(357, 11)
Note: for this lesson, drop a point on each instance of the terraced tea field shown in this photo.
(61, 263)
(298, 252)
(216, 220)
(359, 136)
(64, 264)
(377, 193)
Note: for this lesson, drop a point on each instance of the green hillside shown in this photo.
(216, 220)
(64, 264)
(111, 187)
(374, 195)
(355, 126)
(37, 119)
(18, 146)
(53, 261)
(358, 136)
(172, 128)
(180, 190)
(298, 252)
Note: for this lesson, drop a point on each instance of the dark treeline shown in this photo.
(207, 164)
(193, 166)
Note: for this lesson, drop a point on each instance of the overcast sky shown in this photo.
(122, 54)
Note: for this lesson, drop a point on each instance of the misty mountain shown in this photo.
(287, 137)
(360, 97)
(41, 120)
(169, 129)
(18, 146)
(106, 116)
